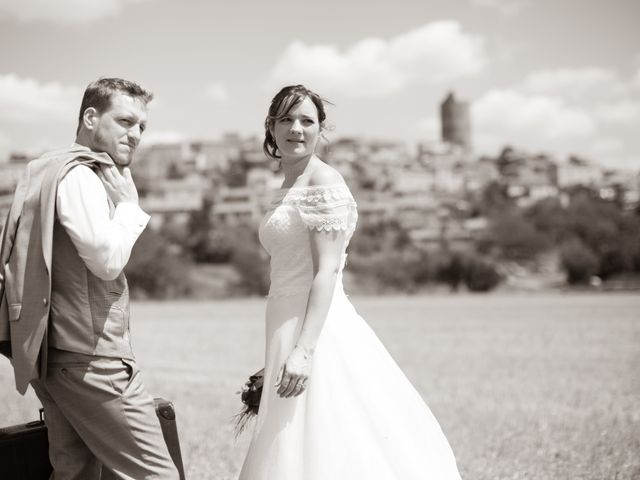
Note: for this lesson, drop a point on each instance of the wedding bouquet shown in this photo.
(250, 396)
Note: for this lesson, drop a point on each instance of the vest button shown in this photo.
(45, 301)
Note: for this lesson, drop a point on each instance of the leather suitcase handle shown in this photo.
(167, 412)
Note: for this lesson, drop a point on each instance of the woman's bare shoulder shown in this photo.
(325, 174)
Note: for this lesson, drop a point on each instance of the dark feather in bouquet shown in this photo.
(250, 396)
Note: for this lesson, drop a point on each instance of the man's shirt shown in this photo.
(104, 242)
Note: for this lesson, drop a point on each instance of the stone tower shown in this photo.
(454, 118)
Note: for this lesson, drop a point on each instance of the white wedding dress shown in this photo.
(360, 418)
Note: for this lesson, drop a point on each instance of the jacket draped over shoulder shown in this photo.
(25, 260)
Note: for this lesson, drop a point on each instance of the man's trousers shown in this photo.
(99, 415)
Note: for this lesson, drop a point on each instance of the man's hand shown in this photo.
(119, 187)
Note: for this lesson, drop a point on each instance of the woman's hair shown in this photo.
(281, 105)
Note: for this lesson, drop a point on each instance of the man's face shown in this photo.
(117, 131)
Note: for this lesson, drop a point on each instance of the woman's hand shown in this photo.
(294, 373)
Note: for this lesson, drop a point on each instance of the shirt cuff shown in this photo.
(131, 217)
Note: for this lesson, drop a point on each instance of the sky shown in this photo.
(558, 77)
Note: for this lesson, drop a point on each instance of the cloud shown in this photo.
(623, 112)
(64, 11)
(427, 128)
(575, 83)
(590, 111)
(505, 7)
(539, 122)
(27, 100)
(438, 52)
(217, 92)
(607, 146)
(636, 79)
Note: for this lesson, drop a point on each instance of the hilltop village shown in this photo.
(439, 194)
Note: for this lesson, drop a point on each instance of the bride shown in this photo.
(334, 404)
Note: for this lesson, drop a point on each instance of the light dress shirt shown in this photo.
(103, 241)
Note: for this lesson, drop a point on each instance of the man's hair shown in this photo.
(98, 94)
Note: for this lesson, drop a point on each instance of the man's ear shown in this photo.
(90, 118)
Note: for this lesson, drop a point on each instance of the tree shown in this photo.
(251, 262)
(494, 199)
(450, 270)
(156, 269)
(548, 217)
(396, 269)
(480, 275)
(604, 229)
(579, 261)
(514, 237)
(384, 235)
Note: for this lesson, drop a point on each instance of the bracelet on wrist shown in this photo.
(308, 353)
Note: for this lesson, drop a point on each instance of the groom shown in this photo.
(64, 311)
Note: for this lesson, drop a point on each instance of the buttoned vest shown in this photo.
(88, 315)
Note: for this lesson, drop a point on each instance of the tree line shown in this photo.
(592, 237)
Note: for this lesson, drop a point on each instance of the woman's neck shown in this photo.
(293, 168)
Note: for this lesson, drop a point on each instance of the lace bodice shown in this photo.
(284, 231)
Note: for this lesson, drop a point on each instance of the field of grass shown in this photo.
(542, 386)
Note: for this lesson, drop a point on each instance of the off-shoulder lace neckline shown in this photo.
(304, 187)
(295, 194)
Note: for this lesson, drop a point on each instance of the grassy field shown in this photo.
(540, 387)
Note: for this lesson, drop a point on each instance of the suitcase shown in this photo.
(167, 416)
(24, 449)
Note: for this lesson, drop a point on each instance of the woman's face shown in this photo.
(296, 134)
